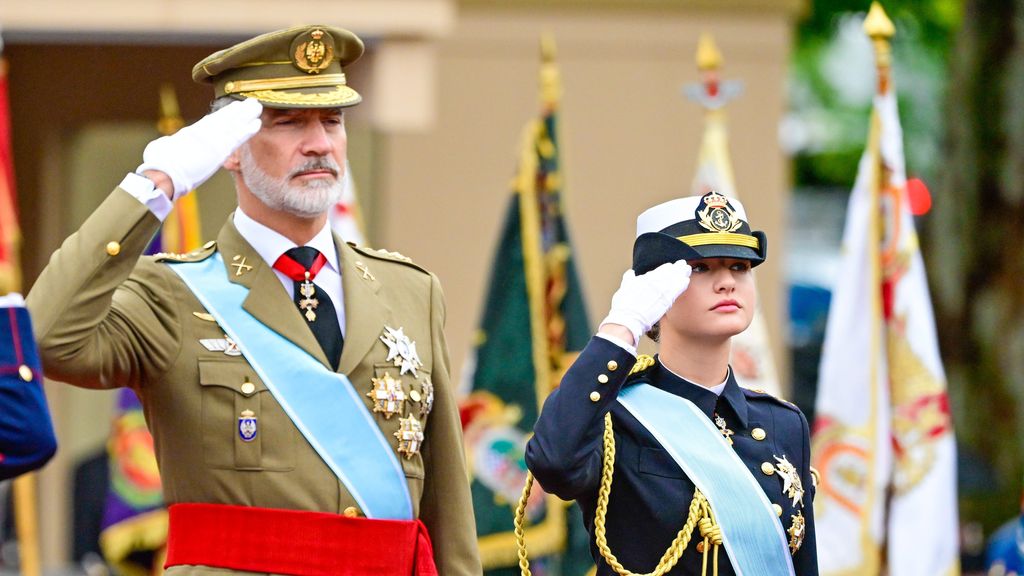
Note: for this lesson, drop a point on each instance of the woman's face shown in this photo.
(719, 302)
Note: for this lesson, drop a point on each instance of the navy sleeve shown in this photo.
(805, 561)
(26, 433)
(564, 453)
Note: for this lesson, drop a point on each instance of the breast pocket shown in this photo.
(244, 428)
(658, 462)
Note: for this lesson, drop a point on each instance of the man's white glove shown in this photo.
(193, 154)
(641, 301)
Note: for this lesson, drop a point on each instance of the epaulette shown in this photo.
(764, 393)
(382, 254)
(197, 255)
(644, 362)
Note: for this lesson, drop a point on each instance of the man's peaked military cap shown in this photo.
(299, 67)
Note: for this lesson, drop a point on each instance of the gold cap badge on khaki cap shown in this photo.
(299, 67)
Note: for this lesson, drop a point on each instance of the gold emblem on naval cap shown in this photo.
(313, 51)
(714, 213)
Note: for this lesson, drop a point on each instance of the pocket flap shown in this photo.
(236, 375)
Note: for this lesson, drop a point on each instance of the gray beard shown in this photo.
(306, 200)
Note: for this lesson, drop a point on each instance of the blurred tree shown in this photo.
(832, 83)
(975, 258)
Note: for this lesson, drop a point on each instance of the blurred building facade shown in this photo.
(447, 86)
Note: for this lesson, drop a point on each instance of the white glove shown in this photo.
(193, 154)
(641, 301)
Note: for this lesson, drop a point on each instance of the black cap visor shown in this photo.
(653, 249)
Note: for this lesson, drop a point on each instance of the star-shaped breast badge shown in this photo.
(401, 350)
(791, 484)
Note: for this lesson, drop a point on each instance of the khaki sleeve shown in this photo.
(446, 508)
(103, 317)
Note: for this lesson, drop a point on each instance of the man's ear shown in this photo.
(233, 162)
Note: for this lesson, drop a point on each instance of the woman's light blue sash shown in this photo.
(323, 405)
(751, 533)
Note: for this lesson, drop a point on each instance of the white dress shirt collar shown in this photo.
(270, 244)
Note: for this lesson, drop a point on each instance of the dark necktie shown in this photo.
(302, 264)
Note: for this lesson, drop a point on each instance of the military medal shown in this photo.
(388, 395)
(247, 427)
(791, 484)
(720, 422)
(797, 530)
(401, 350)
(225, 345)
(410, 436)
(308, 303)
(428, 397)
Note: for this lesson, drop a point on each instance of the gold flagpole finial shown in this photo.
(880, 29)
(170, 115)
(550, 80)
(708, 55)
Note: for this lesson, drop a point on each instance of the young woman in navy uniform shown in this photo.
(678, 469)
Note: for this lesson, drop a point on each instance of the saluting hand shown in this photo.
(641, 301)
(191, 155)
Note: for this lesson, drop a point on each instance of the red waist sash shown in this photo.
(295, 542)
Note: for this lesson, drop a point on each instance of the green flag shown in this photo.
(534, 324)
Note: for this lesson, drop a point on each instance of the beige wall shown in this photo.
(629, 140)
(434, 147)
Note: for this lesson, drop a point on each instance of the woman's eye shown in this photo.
(699, 268)
(740, 267)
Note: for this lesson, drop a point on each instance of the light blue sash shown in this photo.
(323, 404)
(751, 533)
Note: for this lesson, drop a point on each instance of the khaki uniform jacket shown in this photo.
(106, 318)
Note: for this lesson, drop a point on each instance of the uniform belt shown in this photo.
(295, 542)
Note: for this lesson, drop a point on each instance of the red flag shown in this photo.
(10, 235)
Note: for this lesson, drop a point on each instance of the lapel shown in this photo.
(267, 300)
(365, 309)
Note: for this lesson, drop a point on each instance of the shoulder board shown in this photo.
(197, 255)
(382, 254)
(759, 393)
(644, 362)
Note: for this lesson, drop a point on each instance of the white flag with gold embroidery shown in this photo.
(883, 438)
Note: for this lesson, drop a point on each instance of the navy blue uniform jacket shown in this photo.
(650, 494)
(26, 434)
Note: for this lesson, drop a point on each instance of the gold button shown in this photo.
(613, 365)
(248, 388)
(603, 378)
(700, 547)
(778, 510)
(25, 372)
(758, 434)
(113, 248)
(767, 468)
(352, 512)
(414, 395)
(595, 396)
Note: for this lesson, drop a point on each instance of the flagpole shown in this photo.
(880, 29)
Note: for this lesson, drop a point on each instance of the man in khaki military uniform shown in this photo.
(297, 387)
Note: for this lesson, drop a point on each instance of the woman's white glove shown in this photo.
(641, 301)
(194, 153)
